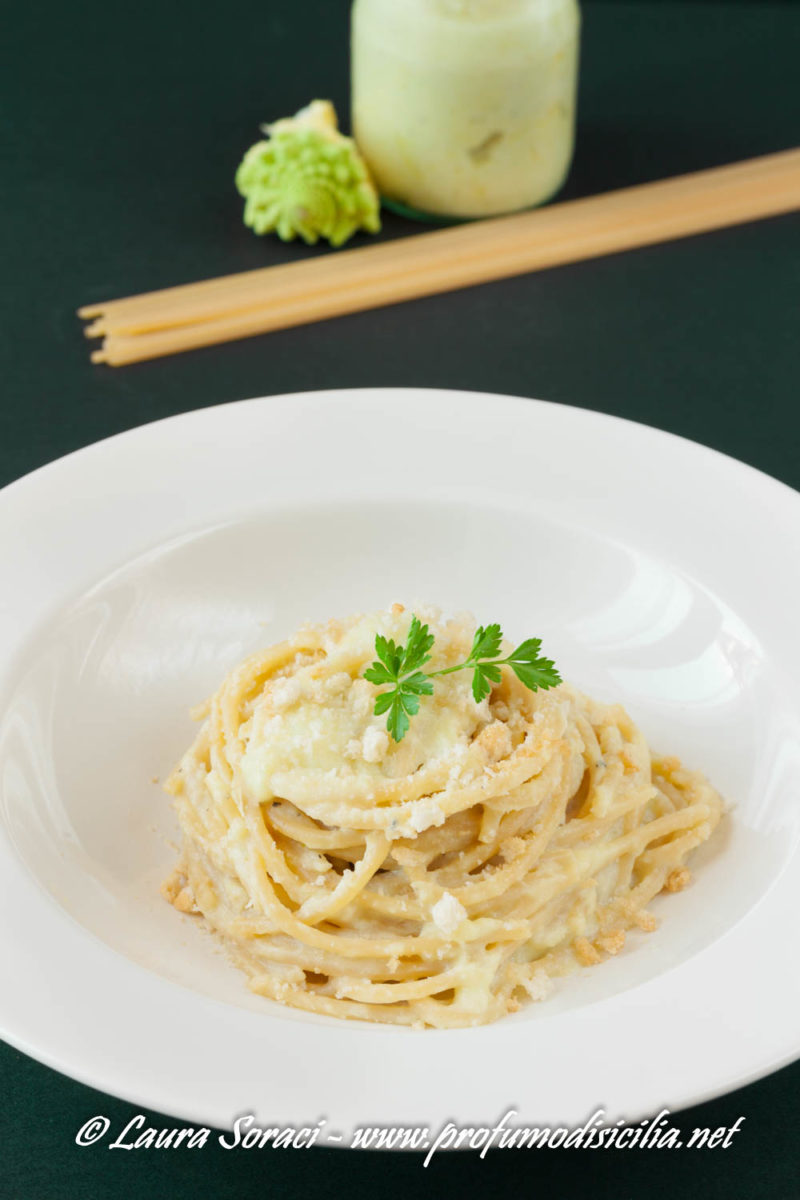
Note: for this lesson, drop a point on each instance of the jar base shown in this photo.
(443, 219)
(416, 214)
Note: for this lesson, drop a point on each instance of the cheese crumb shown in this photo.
(361, 698)
(448, 913)
(336, 685)
(424, 815)
(495, 741)
(286, 692)
(375, 743)
(539, 986)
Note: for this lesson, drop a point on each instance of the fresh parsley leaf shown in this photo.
(409, 702)
(536, 672)
(418, 644)
(419, 684)
(399, 665)
(486, 643)
(484, 676)
(379, 673)
(398, 720)
(538, 678)
(389, 654)
(384, 702)
(526, 651)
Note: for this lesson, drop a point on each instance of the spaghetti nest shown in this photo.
(437, 881)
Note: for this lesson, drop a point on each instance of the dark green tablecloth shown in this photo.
(122, 127)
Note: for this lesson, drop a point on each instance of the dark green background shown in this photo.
(121, 128)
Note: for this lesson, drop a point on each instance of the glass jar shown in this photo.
(465, 108)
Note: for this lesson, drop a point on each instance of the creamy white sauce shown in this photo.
(320, 719)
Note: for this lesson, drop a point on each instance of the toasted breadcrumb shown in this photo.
(184, 901)
(495, 740)
(612, 942)
(512, 848)
(176, 891)
(171, 886)
(631, 912)
(585, 952)
(678, 879)
(645, 920)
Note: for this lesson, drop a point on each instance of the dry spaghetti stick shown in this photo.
(302, 277)
(212, 299)
(491, 250)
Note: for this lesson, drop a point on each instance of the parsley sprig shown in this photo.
(401, 667)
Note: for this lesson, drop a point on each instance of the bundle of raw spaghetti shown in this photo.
(438, 880)
(238, 306)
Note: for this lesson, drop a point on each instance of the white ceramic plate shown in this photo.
(138, 571)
